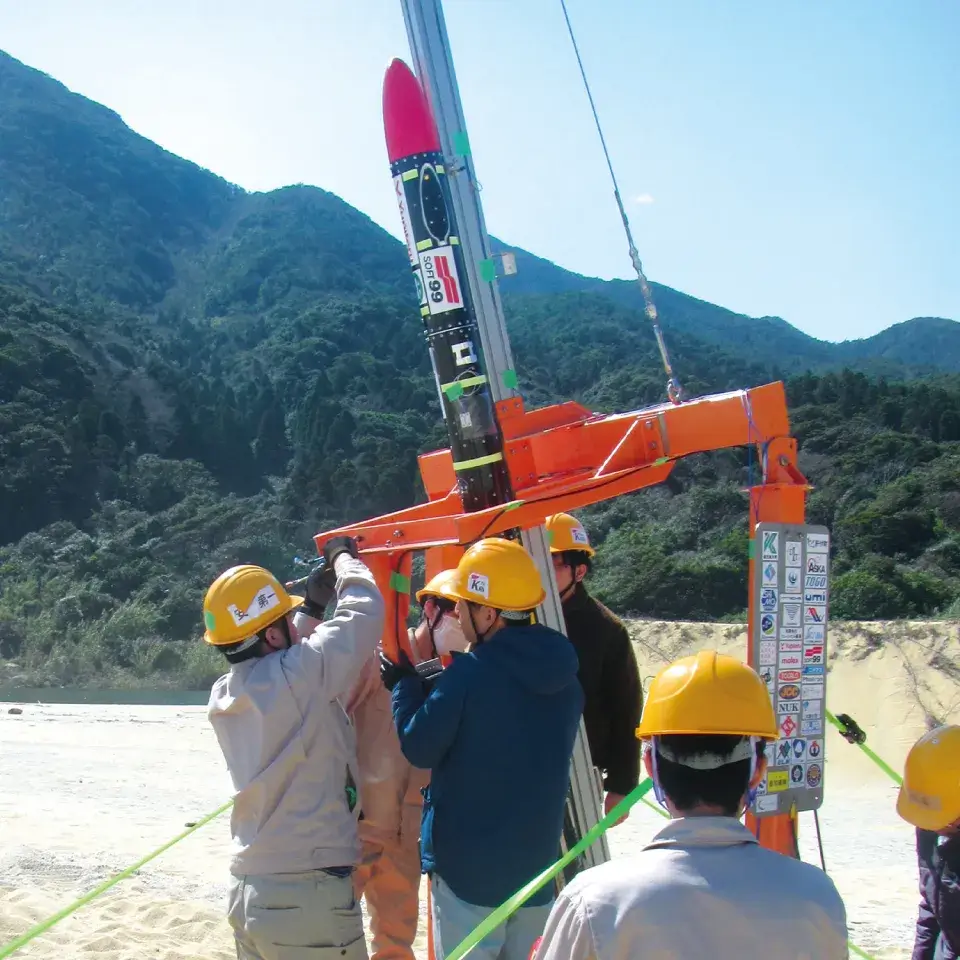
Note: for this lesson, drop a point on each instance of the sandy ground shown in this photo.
(88, 790)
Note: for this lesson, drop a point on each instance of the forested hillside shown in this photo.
(193, 376)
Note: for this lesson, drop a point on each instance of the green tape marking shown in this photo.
(409, 175)
(209, 620)
(751, 548)
(424, 245)
(509, 907)
(399, 583)
(45, 925)
(488, 270)
(461, 143)
(453, 391)
(509, 378)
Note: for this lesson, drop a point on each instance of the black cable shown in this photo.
(816, 820)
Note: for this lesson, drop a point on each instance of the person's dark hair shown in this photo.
(573, 558)
(688, 787)
(234, 654)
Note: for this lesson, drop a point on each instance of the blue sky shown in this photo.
(795, 159)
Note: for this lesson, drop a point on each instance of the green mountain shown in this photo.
(192, 376)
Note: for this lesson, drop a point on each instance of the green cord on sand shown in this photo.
(45, 925)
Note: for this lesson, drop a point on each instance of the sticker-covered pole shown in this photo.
(436, 261)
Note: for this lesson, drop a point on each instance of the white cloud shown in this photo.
(643, 198)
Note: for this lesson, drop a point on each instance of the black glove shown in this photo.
(337, 545)
(319, 588)
(391, 673)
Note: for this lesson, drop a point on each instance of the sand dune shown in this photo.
(88, 790)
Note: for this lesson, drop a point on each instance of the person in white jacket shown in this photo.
(290, 750)
(703, 887)
(388, 875)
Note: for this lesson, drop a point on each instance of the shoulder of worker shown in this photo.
(541, 658)
(353, 573)
(582, 608)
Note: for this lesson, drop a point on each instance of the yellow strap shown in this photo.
(477, 462)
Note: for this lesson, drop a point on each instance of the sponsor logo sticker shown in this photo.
(816, 582)
(439, 271)
(789, 676)
(815, 749)
(768, 599)
(792, 553)
(789, 691)
(768, 625)
(788, 660)
(813, 691)
(791, 613)
(796, 774)
(768, 804)
(788, 726)
(791, 646)
(818, 543)
(769, 574)
(813, 654)
(813, 671)
(777, 780)
(816, 563)
(812, 708)
(792, 578)
(814, 774)
(771, 549)
(784, 753)
(768, 652)
(799, 746)
(815, 596)
(810, 726)
(814, 632)
(791, 633)
(788, 706)
(814, 614)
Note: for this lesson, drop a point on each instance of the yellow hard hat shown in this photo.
(930, 795)
(566, 532)
(439, 586)
(241, 602)
(709, 693)
(498, 573)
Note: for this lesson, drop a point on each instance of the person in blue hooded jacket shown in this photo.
(496, 729)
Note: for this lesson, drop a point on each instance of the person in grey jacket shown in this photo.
(290, 751)
(703, 887)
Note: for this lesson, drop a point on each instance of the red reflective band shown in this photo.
(533, 949)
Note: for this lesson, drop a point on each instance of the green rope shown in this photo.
(885, 767)
(859, 952)
(510, 906)
(45, 925)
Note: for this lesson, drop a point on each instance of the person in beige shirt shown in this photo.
(290, 750)
(703, 887)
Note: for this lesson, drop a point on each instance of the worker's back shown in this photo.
(702, 888)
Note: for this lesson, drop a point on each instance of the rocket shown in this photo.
(437, 264)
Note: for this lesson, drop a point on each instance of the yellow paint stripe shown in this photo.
(477, 462)
(453, 241)
(424, 244)
(439, 168)
(409, 175)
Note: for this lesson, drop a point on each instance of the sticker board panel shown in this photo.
(791, 574)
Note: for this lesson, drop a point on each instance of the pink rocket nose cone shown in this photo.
(407, 120)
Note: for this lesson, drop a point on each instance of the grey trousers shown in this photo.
(296, 916)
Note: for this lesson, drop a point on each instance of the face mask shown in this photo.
(448, 635)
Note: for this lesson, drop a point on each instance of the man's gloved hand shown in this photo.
(391, 673)
(337, 545)
(318, 589)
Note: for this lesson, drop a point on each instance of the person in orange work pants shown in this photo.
(388, 874)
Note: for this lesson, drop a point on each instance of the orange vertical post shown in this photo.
(780, 498)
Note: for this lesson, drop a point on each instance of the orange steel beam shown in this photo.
(562, 457)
